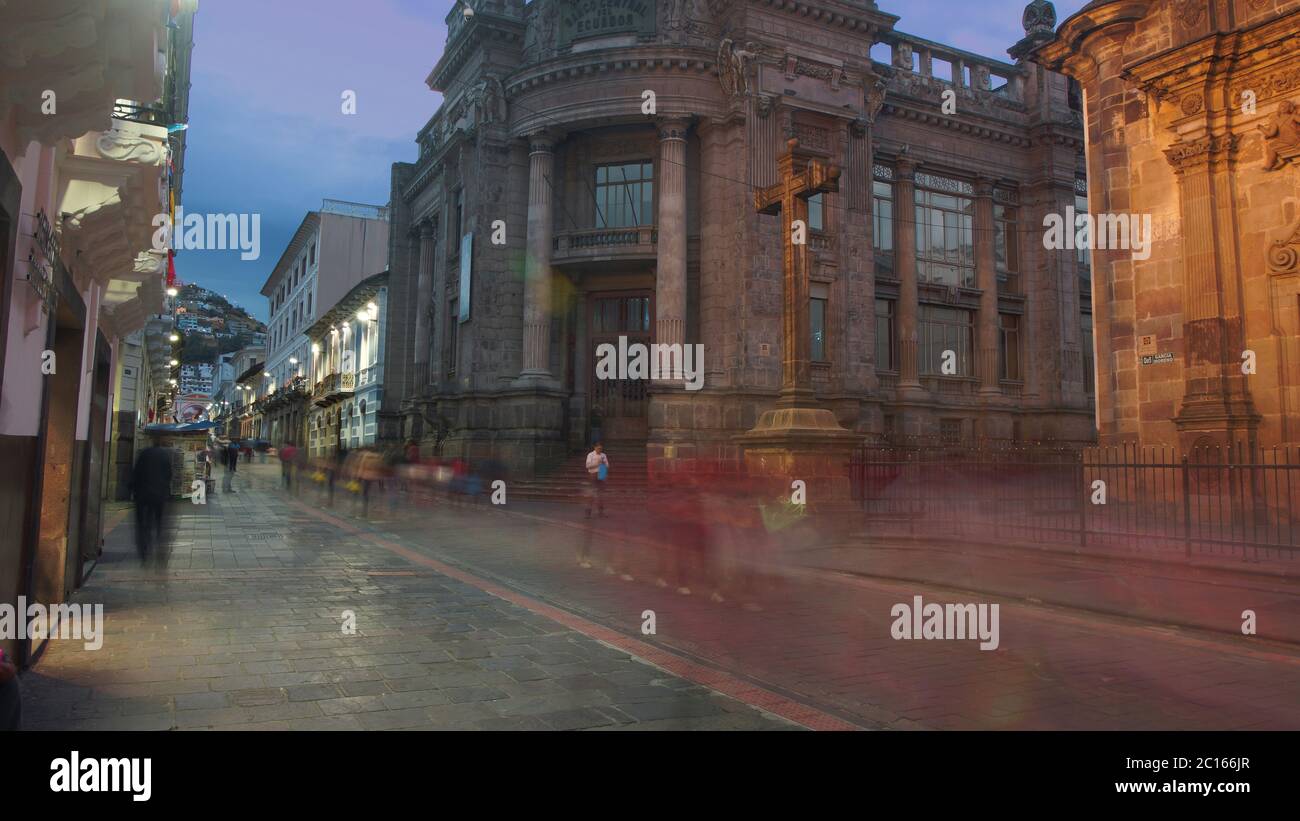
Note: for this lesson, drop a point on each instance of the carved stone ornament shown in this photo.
(733, 69)
(1184, 156)
(1284, 255)
(875, 99)
(764, 105)
(1039, 18)
(903, 56)
(1192, 104)
(118, 145)
(1281, 136)
(1189, 12)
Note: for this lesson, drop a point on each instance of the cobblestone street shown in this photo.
(480, 618)
(244, 630)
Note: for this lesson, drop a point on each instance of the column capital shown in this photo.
(1188, 156)
(541, 141)
(904, 168)
(984, 187)
(673, 126)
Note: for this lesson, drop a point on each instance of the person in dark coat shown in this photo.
(151, 486)
(231, 461)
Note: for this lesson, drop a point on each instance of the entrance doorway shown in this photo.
(621, 403)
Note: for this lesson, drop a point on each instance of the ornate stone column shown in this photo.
(986, 277)
(670, 262)
(1217, 407)
(537, 262)
(905, 265)
(424, 279)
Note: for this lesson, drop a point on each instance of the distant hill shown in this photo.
(209, 325)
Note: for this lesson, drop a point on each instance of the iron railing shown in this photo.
(1225, 501)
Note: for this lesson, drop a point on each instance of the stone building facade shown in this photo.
(589, 179)
(1193, 117)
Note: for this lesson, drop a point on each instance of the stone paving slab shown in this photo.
(233, 633)
(824, 639)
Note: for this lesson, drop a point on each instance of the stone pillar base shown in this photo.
(1215, 422)
(801, 443)
(539, 380)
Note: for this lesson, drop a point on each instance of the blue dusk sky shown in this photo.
(267, 134)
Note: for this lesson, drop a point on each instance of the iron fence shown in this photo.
(1227, 501)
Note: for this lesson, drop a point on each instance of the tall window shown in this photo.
(945, 236)
(1006, 247)
(1089, 357)
(617, 314)
(1080, 208)
(452, 332)
(1009, 347)
(817, 212)
(311, 252)
(819, 299)
(946, 329)
(882, 222)
(457, 217)
(624, 195)
(886, 353)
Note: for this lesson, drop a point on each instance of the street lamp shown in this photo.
(174, 338)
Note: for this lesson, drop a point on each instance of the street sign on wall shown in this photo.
(1159, 358)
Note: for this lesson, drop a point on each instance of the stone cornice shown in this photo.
(1074, 37)
(929, 117)
(650, 58)
(838, 15)
(479, 30)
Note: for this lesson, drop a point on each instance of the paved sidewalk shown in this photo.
(1164, 593)
(244, 630)
(824, 638)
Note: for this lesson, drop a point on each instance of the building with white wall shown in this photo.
(347, 345)
(93, 102)
(333, 250)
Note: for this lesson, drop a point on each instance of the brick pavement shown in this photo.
(243, 629)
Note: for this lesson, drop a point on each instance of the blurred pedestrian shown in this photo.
(151, 486)
(230, 458)
(287, 453)
(597, 474)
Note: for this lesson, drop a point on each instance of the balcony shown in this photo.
(604, 245)
(325, 389)
(333, 387)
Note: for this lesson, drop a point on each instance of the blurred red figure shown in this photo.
(288, 453)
